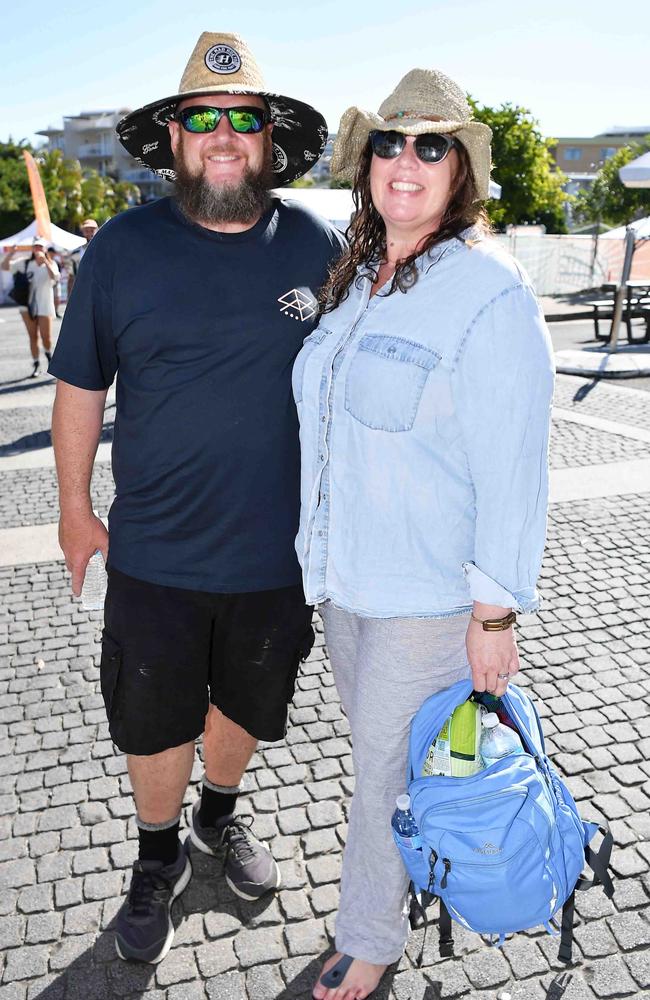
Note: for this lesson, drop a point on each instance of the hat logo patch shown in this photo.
(222, 59)
(149, 147)
(280, 159)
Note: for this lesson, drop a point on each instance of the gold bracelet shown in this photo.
(496, 624)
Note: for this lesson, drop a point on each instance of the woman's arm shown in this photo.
(503, 388)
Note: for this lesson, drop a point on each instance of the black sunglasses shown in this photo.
(202, 118)
(430, 147)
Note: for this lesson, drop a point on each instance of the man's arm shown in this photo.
(77, 421)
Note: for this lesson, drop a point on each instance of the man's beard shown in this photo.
(241, 202)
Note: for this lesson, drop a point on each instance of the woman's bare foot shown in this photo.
(359, 982)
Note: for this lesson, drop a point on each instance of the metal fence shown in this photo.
(564, 264)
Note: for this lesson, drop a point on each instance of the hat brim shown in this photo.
(299, 133)
(357, 124)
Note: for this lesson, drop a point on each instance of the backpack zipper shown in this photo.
(447, 863)
(433, 857)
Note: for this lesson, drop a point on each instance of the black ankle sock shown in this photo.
(48, 355)
(215, 805)
(159, 845)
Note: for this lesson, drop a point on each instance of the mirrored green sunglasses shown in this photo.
(205, 119)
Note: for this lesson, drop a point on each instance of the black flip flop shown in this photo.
(335, 976)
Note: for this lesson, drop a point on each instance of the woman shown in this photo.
(424, 400)
(43, 274)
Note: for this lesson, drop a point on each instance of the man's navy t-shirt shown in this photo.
(202, 329)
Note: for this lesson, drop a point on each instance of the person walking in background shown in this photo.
(200, 303)
(43, 275)
(424, 400)
(88, 229)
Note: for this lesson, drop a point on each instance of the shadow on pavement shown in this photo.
(24, 384)
(43, 439)
(98, 973)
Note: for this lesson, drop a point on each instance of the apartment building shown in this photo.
(90, 138)
(581, 158)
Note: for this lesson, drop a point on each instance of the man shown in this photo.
(200, 304)
(88, 229)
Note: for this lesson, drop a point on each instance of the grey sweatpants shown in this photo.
(384, 669)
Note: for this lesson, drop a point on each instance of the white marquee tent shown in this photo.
(636, 173)
(61, 240)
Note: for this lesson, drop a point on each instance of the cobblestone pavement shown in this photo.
(67, 832)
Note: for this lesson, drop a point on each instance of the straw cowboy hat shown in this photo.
(223, 64)
(425, 100)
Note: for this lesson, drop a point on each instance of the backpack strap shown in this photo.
(418, 902)
(598, 861)
(446, 938)
(566, 931)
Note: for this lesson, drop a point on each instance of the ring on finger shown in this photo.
(503, 677)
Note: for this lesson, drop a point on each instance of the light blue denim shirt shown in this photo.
(424, 424)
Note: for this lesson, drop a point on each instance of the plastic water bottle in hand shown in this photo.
(497, 740)
(404, 824)
(95, 583)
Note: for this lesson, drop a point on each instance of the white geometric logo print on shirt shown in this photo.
(299, 303)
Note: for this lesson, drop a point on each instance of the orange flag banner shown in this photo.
(41, 211)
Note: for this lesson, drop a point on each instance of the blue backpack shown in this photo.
(504, 849)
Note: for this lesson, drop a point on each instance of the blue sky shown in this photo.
(580, 66)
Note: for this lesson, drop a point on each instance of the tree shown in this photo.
(608, 200)
(15, 197)
(72, 195)
(531, 190)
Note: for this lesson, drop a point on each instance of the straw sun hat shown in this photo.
(423, 101)
(223, 64)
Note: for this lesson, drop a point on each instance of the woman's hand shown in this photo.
(492, 656)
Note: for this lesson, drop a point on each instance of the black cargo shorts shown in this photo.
(168, 653)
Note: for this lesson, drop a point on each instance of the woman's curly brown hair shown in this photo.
(367, 233)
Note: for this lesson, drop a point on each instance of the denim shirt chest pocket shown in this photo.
(385, 381)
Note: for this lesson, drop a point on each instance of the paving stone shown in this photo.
(610, 978)
(295, 905)
(179, 966)
(14, 874)
(630, 930)
(187, 991)
(259, 946)
(231, 986)
(42, 927)
(263, 982)
(639, 966)
(35, 899)
(12, 931)
(306, 938)
(595, 940)
(323, 870)
(83, 918)
(324, 899)
(486, 969)
(25, 963)
(221, 924)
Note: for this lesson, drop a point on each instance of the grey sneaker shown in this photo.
(249, 868)
(144, 928)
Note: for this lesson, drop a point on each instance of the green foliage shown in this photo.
(608, 200)
(303, 182)
(531, 191)
(15, 199)
(336, 182)
(72, 195)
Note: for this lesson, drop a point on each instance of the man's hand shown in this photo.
(80, 535)
(491, 653)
